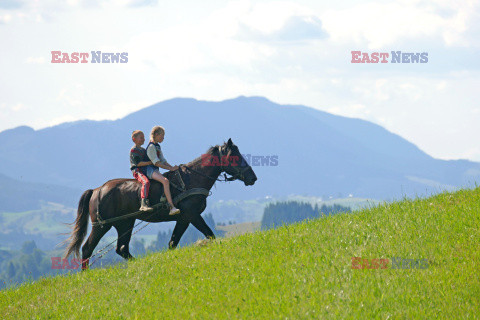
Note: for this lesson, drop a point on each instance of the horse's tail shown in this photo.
(80, 226)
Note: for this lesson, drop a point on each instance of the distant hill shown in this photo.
(319, 154)
(16, 196)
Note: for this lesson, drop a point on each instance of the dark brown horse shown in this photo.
(122, 196)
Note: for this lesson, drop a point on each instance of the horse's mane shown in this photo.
(195, 162)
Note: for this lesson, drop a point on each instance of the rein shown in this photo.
(236, 176)
(207, 176)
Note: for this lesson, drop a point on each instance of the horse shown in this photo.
(118, 197)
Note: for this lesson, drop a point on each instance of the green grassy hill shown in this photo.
(298, 271)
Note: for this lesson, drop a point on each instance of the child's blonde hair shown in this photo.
(155, 130)
(136, 133)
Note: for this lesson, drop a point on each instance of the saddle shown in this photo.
(176, 181)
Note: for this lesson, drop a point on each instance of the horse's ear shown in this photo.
(229, 142)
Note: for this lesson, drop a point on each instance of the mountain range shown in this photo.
(318, 153)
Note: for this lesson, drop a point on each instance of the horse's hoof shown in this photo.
(202, 242)
(171, 246)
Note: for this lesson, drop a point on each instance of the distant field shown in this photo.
(241, 211)
(301, 271)
(48, 220)
(240, 228)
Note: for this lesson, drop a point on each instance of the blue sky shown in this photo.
(295, 52)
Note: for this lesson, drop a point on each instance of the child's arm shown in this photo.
(156, 161)
(135, 160)
(165, 166)
(170, 167)
(144, 163)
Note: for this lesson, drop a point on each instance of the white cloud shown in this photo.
(18, 107)
(193, 47)
(271, 16)
(203, 45)
(142, 3)
(72, 97)
(355, 110)
(381, 25)
(295, 29)
(471, 153)
(36, 60)
(5, 108)
(6, 18)
(118, 110)
(49, 122)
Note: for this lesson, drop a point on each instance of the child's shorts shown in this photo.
(150, 170)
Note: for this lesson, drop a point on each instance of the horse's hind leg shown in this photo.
(87, 249)
(124, 229)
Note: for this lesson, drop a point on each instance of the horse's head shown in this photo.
(235, 165)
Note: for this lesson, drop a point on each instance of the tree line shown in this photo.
(279, 213)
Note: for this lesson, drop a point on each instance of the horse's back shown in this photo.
(116, 182)
(113, 193)
(122, 195)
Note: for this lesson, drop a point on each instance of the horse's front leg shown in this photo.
(199, 223)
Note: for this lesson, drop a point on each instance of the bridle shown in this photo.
(238, 175)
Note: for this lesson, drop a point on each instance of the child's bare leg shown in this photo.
(166, 186)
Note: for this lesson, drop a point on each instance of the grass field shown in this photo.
(240, 228)
(298, 271)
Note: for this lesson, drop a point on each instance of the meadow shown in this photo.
(297, 271)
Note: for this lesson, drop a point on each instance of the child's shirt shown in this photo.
(137, 155)
(155, 154)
